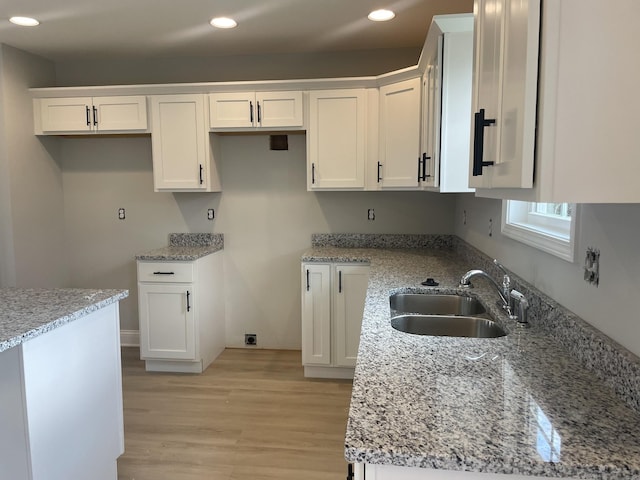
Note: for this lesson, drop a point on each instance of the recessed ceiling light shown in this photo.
(223, 22)
(381, 15)
(24, 21)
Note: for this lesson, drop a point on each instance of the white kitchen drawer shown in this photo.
(165, 272)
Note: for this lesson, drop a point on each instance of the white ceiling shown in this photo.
(73, 30)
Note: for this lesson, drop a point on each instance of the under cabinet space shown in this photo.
(83, 115)
(256, 110)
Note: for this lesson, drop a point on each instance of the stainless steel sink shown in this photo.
(427, 304)
(448, 326)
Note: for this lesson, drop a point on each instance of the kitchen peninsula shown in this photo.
(60, 384)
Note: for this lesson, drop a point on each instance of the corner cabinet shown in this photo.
(256, 110)
(446, 104)
(182, 150)
(181, 312)
(333, 297)
(336, 139)
(399, 161)
(90, 115)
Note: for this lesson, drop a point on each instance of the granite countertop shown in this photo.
(186, 247)
(27, 313)
(518, 404)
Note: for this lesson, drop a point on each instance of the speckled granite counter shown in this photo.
(28, 313)
(185, 247)
(519, 404)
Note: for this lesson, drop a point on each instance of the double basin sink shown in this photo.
(442, 315)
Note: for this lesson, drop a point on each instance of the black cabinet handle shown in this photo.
(313, 173)
(339, 281)
(424, 167)
(259, 112)
(350, 473)
(201, 179)
(188, 303)
(251, 112)
(480, 122)
(163, 273)
(95, 115)
(88, 116)
(379, 167)
(420, 166)
(308, 286)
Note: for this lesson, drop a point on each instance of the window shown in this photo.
(547, 226)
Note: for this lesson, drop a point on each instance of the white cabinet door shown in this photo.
(248, 110)
(232, 110)
(316, 314)
(167, 321)
(400, 135)
(505, 93)
(92, 114)
(66, 114)
(117, 114)
(430, 135)
(180, 143)
(350, 284)
(336, 148)
(279, 109)
(451, 144)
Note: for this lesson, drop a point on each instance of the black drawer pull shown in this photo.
(308, 286)
(188, 304)
(478, 141)
(164, 273)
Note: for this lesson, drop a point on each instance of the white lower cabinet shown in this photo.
(181, 309)
(333, 297)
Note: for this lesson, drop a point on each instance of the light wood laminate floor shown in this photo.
(252, 416)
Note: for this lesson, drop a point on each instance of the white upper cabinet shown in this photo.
(584, 138)
(505, 93)
(399, 138)
(446, 104)
(181, 147)
(336, 148)
(91, 115)
(250, 110)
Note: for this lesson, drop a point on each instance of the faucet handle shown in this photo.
(523, 307)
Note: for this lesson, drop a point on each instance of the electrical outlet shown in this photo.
(250, 339)
(121, 214)
(371, 214)
(210, 214)
(592, 266)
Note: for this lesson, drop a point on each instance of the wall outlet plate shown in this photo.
(250, 339)
(592, 266)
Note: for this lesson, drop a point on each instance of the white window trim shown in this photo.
(555, 241)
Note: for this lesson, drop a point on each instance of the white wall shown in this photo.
(265, 213)
(235, 68)
(31, 226)
(614, 229)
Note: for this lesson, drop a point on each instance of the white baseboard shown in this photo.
(130, 338)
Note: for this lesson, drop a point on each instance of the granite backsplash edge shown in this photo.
(615, 365)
